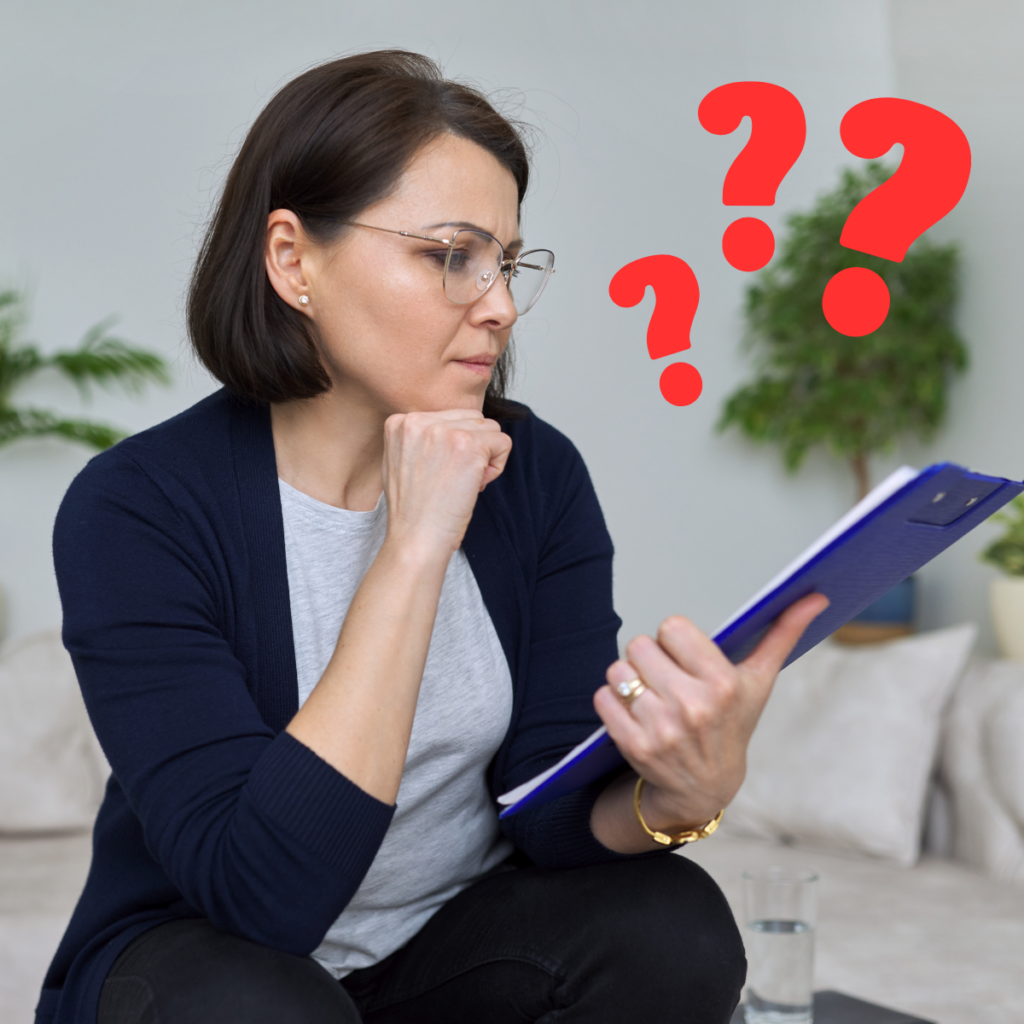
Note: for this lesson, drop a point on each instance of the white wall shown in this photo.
(965, 60)
(120, 119)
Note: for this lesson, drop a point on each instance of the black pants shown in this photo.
(644, 940)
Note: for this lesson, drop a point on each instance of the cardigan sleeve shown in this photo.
(573, 631)
(254, 829)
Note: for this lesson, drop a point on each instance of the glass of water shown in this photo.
(781, 913)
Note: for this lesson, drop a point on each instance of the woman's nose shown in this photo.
(497, 304)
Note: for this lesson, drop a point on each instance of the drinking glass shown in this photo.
(780, 915)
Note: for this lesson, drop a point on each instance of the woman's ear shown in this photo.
(288, 258)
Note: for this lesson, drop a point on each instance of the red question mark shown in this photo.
(777, 132)
(676, 295)
(928, 183)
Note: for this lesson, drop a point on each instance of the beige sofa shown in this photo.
(939, 940)
(942, 939)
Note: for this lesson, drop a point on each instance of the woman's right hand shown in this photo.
(435, 465)
(360, 714)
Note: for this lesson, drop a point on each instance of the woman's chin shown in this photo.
(464, 397)
(471, 402)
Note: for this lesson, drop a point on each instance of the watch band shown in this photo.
(683, 837)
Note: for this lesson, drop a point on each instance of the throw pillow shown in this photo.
(983, 768)
(1005, 746)
(53, 769)
(842, 755)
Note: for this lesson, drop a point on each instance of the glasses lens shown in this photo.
(474, 265)
(529, 278)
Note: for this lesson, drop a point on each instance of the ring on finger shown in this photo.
(628, 691)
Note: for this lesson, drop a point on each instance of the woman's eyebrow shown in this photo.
(516, 243)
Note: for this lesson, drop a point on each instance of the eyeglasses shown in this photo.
(473, 260)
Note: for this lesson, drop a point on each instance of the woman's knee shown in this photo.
(668, 920)
(190, 971)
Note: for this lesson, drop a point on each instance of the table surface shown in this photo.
(832, 1007)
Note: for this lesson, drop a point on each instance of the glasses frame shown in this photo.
(506, 268)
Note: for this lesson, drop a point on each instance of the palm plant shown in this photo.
(100, 358)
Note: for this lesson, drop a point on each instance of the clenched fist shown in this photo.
(435, 465)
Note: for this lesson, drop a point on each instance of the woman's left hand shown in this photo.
(687, 733)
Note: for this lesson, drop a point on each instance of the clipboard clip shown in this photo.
(952, 500)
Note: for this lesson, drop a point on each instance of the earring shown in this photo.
(304, 300)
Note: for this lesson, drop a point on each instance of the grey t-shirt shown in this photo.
(445, 830)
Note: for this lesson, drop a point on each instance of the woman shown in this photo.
(323, 617)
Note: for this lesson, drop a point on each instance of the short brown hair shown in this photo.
(330, 143)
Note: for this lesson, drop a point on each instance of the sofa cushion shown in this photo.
(53, 769)
(939, 940)
(842, 755)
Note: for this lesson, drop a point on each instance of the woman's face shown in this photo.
(392, 340)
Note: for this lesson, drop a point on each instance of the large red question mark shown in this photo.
(676, 294)
(928, 183)
(777, 133)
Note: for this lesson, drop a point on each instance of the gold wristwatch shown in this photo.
(683, 837)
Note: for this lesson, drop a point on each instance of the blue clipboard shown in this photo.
(904, 523)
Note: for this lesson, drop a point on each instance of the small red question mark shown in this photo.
(777, 132)
(676, 294)
(928, 183)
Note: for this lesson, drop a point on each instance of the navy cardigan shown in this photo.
(170, 560)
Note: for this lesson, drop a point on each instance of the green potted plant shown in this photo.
(853, 396)
(100, 358)
(1007, 591)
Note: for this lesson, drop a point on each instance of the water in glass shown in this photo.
(780, 982)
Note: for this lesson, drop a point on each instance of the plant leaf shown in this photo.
(1007, 552)
(107, 360)
(15, 363)
(19, 423)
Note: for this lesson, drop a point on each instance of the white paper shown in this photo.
(517, 794)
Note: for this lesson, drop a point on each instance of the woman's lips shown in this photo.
(481, 367)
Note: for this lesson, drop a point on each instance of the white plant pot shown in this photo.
(1007, 597)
